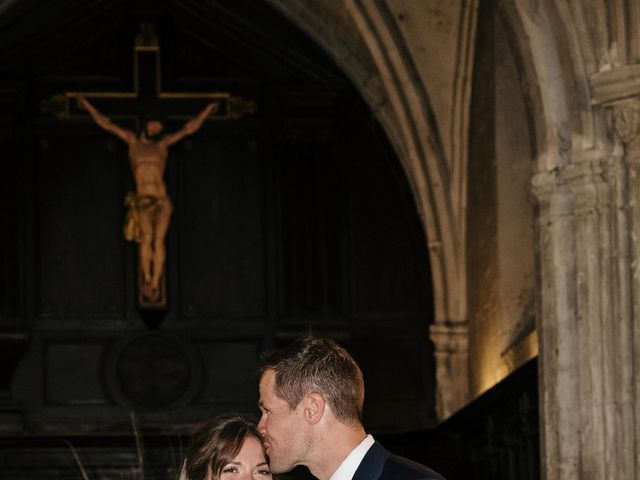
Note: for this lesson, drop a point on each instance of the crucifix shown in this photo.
(149, 208)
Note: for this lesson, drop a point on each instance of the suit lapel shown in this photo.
(372, 464)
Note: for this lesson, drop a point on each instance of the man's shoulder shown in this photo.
(380, 464)
(398, 467)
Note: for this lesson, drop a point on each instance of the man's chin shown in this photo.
(277, 467)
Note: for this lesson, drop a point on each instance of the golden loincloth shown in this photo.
(136, 203)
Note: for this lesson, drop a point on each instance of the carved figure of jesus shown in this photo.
(148, 153)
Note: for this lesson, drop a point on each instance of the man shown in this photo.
(150, 208)
(311, 397)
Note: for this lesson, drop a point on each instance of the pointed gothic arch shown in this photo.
(382, 68)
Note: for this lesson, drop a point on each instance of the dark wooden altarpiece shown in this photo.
(294, 218)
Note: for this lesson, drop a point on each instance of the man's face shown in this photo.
(283, 430)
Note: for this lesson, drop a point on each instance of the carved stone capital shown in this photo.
(553, 195)
(450, 337)
(626, 120)
(587, 181)
(451, 341)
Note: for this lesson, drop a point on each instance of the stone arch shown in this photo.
(365, 40)
(382, 70)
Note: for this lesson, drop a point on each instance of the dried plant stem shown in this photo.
(78, 461)
(139, 446)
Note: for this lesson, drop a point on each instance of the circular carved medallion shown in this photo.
(152, 371)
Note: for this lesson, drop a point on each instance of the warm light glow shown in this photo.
(495, 367)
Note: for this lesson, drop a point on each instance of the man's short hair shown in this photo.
(314, 364)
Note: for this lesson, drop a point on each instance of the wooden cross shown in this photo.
(147, 94)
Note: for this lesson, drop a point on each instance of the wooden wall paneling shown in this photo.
(156, 373)
(79, 213)
(222, 239)
(73, 372)
(312, 209)
(13, 329)
(11, 196)
(103, 457)
(231, 376)
(398, 368)
(391, 297)
(388, 244)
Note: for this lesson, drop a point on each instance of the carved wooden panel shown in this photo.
(80, 250)
(230, 372)
(221, 210)
(398, 371)
(312, 203)
(73, 373)
(388, 254)
(11, 215)
(152, 371)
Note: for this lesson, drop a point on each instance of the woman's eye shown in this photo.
(264, 472)
(229, 470)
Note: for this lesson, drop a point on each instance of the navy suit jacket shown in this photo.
(380, 464)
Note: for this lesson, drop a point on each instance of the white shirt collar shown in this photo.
(350, 464)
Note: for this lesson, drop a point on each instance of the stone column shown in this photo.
(618, 90)
(451, 342)
(626, 116)
(557, 330)
(604, 347)
(586, 334)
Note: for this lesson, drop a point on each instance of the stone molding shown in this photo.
(614, 85)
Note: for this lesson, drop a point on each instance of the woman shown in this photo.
(226, 448)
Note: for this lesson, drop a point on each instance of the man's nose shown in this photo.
(262, 424)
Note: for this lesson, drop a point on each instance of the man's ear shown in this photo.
(314, 407)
